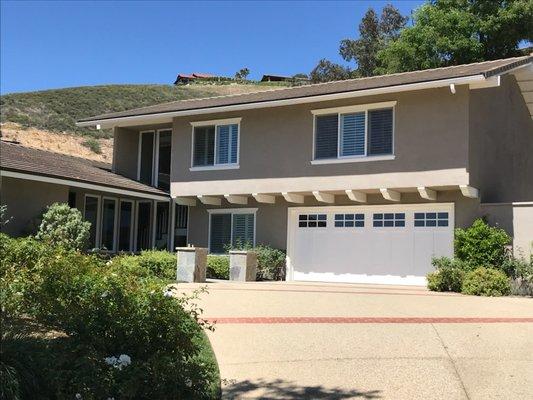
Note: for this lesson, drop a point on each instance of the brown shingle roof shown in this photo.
(17, 158)
(486, 68)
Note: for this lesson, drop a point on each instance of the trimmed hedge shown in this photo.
(486, 282)
(217, 267)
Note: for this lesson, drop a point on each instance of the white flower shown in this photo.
(78, 396)
(167, 293)
(111, 360)
(124, 359)
(105, 294)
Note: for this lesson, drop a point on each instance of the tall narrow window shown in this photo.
(161, 225)
(144, 229)
(108, 224)
(231, 230)
(92, 214)
(353, 134)
(125, 225)
(180, 225)
(72, 199)
(326, 136)
(380, 131)
(216, 145)
(146, 157)
(163, 159)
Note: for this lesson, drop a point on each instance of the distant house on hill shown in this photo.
(183, 79)
(275, 78)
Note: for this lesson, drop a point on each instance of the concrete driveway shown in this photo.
(344, 341)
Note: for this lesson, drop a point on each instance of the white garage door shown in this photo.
(391, 244)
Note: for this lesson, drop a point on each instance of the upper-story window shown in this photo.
(215, 144)
(349, 133)
(154, 158)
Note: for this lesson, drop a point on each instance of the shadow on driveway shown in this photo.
(281, 389)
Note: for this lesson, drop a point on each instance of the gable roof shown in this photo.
(484, 70)
(25, 160)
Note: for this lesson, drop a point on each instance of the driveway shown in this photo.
(344, 341)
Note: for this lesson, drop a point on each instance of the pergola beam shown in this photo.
(185, 201)
(233, 199)
(264, 198)
(354, 195)
(390, 195)
(427, 193)
(324, 197)
(469, 191)
(293, 197)
(208, 200)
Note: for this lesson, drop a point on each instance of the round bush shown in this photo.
(486, 282)
(447, 279)
(217, 267)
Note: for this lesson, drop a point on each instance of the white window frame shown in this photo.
(132, 226)
(339, 111)
(173, 224)
(216, 123)
(98, 217)
(115, 223)
(155, 155)
(230, 211)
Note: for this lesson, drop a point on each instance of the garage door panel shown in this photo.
(382, 252)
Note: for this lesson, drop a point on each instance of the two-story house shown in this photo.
(361, 180)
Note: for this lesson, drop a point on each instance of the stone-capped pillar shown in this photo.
(191, 264)
(242, 265)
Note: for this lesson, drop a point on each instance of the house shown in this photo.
(275, 78)
(361, 180)
(188, 78)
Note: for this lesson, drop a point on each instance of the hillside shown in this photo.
(46, 119)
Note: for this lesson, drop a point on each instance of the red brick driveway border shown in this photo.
(368, 320)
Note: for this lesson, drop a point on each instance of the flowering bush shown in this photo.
(65, 226)
(486, 282)
(109, 333)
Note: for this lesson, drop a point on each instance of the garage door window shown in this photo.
(431, 219)
(349, 220)
(381, 220)
(312, 221)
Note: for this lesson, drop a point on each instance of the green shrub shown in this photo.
(270, 263)
(521, 273)
(217, 267)
(65, 226)
(481, 245)
(448, 276)
(93, 144)
(156, 263)
(486, 282)
(99, 312)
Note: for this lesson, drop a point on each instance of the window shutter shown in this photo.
(243, 229)
(353, 134)
(204, 146)
(234, 129)
(326, 136)
(380, 132)
(223, 142)
(220, 232)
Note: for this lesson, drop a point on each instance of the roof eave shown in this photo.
(475, 81)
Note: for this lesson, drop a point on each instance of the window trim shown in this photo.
(132, 230)
(216, 123)
(349, 110)
(115, 223)
(155, 154)
(230, 211)
(98, 216)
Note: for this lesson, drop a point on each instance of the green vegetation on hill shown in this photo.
(57, 110)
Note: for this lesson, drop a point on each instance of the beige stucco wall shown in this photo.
(523, 230)
(501, 143)
(125, 152)
(26, 201)
(431, 133)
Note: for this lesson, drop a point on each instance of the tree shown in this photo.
(64, 226)
(453, 32)
(374, 34)
(242, 74)
(328, 71)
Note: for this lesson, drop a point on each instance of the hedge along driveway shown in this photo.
(293, 340)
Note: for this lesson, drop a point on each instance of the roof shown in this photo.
(268, 77)
(486, 69)
(17, 158)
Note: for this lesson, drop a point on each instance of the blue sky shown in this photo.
(47, 45)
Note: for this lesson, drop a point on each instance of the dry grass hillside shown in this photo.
(46, 119)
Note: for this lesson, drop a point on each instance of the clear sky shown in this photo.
(47, 45)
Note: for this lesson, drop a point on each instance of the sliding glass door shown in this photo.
(109, 214)
(144, 227)
(92, 215)
(125, 227)
(162, 230)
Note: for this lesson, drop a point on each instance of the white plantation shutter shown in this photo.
(223, 144)
(353, 134)
(326, 136)
(243, 229)
(204, 146)
(380, 131)
(234, 142)
(220, 235)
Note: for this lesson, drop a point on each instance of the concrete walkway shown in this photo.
(342, 341)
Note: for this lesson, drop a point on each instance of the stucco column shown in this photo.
(191, 264)
(242, 265)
